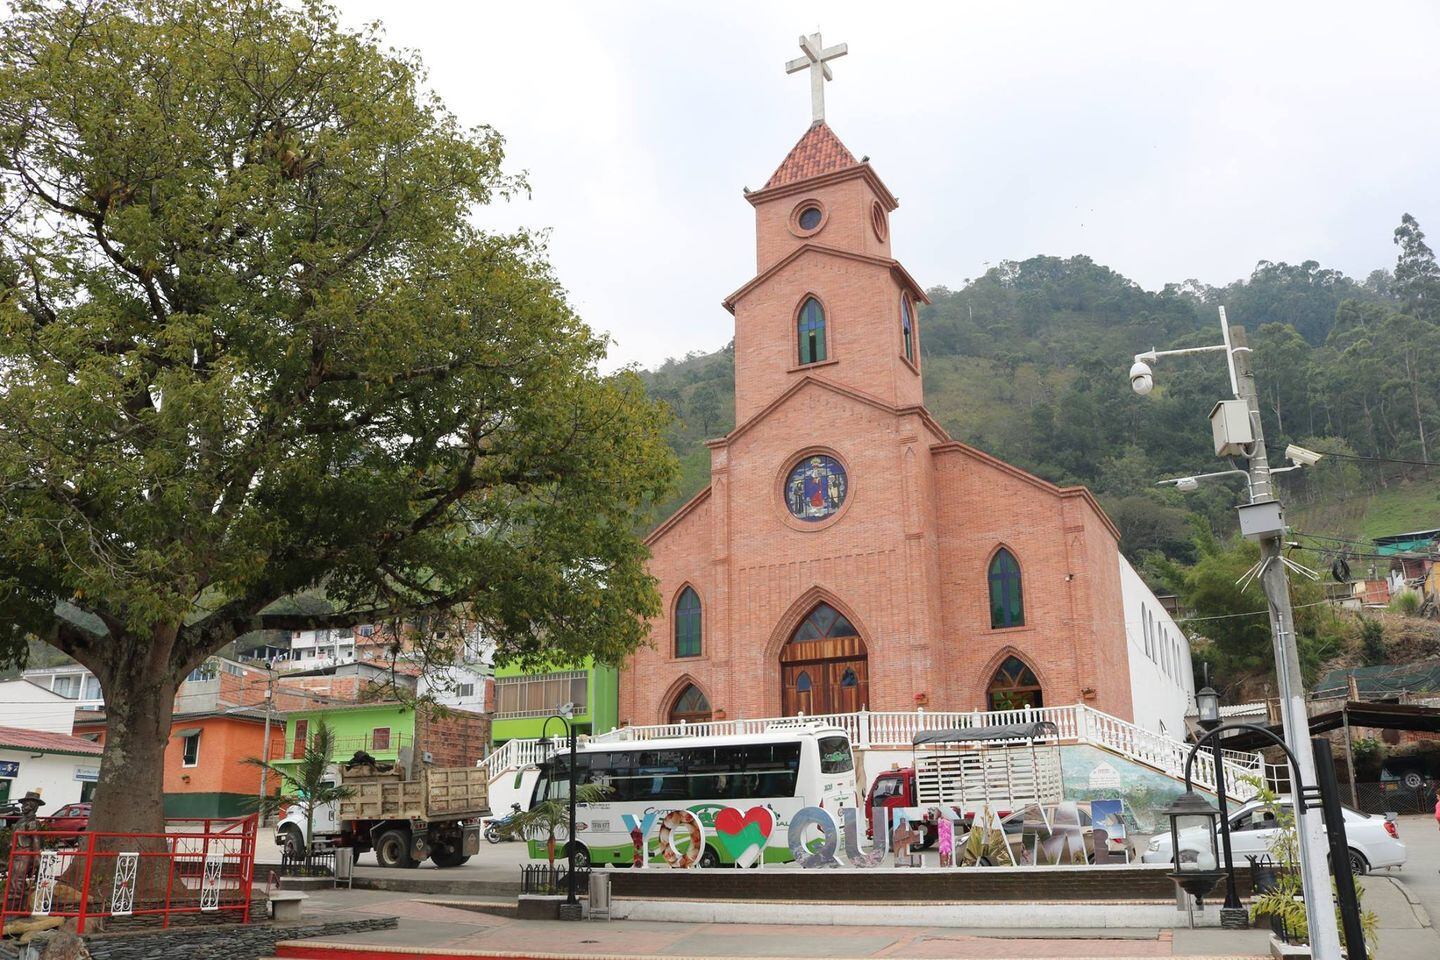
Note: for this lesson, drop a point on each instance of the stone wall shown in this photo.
(1021, 884)
(228, 942)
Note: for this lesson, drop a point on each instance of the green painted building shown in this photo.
(459, 738)
(524, 700)
(380, 729)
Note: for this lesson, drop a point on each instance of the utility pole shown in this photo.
(265, 747)
(1310, 832)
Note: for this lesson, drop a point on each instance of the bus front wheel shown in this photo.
(582, 856)
(709, 858)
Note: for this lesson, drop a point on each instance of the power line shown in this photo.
(1352, 456)
(1252, 613)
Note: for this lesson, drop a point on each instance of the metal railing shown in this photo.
(1077, 723)
(346, 747)
(189, 869)
(319, 862)
(541, 878)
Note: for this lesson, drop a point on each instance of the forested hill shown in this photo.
(1029, 362)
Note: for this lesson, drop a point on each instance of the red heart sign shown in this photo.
(730, 821)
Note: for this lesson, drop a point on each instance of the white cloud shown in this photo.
(1166, 141)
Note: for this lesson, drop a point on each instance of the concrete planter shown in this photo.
(1279, 948)
(539, 906)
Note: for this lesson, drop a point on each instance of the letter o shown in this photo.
(687, 822)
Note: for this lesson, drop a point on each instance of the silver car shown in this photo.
(1373, 840)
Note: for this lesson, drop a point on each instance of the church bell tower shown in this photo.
(828, 299)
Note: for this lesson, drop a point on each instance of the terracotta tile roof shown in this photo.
(818, 152)
(21, 739)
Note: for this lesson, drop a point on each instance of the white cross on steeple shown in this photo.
(816, 55)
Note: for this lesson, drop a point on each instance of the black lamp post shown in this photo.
(1326, 794)
(570, 909)
(1207, 703)
(1196, 870)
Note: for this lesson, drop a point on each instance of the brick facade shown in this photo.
(905, 558)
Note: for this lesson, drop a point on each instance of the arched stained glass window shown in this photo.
(907, 327)
(1007, 606)
(1014, 686)
(849, 679)
(824, 621)
(692, 706)
(802, 683)
(687, 624)
(811, 329)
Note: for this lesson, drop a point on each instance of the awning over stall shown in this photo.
(1037, 730)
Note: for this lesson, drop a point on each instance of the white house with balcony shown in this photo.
(71, 681)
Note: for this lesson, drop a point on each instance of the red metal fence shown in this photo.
(197, 866)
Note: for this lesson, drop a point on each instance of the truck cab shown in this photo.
(895, 788)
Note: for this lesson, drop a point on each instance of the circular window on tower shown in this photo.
(807, 218)
(879, 221)
(816, 487)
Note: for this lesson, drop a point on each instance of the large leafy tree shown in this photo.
(254, 349)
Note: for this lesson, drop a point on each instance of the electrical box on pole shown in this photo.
(1261, 520)
(1230, 422)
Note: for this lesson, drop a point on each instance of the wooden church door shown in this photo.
(824, 668)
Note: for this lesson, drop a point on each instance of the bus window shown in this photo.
(835, 756)
(659, 775)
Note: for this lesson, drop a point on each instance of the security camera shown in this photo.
(1301, 456)
(1187, 484)
(1142, 381)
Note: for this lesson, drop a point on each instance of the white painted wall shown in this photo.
(1162, 678)
(461, 686)
(31, 707)
(53, 774)
(72, 681)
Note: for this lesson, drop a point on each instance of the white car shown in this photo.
(1372, 839)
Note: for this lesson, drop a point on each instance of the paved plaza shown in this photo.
(1405, 900)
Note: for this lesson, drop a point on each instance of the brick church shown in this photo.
(847, 552)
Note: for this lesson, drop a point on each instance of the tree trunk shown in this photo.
(139, 688)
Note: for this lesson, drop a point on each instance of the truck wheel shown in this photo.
(293, 844)
(392, 849)
(449, 857)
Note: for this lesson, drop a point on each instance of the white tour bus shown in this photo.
(790, 766)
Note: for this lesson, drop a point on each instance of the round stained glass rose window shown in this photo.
(816, 488)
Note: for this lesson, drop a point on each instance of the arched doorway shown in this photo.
(1014, 686)
(692, 706)
(824, 668)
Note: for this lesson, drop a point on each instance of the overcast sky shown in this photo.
(1167, 141)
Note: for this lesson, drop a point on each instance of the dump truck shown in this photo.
(434, 814)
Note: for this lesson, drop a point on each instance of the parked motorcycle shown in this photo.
(495, 830)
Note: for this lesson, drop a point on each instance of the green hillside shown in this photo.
(1029, 363)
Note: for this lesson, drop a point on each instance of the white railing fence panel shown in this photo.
(868, 729)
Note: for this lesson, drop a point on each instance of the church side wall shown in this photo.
(1103, 616)
(1161, 690)
(679, 556)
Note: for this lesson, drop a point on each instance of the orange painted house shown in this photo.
(205, 775)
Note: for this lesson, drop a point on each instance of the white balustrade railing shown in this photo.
(880, 729)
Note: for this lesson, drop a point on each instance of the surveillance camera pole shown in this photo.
(1315, 874)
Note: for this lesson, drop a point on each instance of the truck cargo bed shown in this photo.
(440, 793)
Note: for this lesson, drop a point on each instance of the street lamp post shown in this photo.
(1207, 703)
(1261, 520)
(570, 909)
